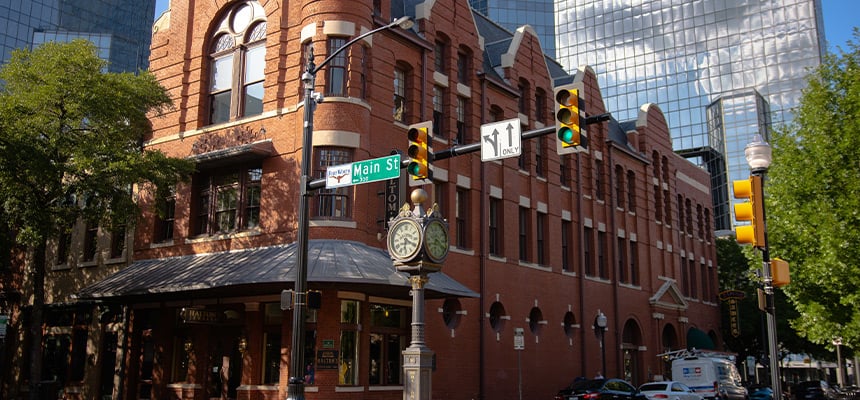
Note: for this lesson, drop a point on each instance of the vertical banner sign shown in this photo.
(731, 297)
(392, 199)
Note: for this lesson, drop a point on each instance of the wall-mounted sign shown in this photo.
(198, 316)
(328, 343)
(327, 359)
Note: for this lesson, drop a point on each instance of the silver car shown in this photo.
(668, 390)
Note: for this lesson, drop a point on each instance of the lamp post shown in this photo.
(296, 386)
(839, 377)
(600, 327)
(758, 155)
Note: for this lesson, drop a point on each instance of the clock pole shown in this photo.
(433, 248)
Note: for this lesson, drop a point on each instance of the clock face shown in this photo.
(436, 240)
(404, 240)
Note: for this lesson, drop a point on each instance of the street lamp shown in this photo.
(758, 155)
(600, 327)
(296, 386)
(839, 377)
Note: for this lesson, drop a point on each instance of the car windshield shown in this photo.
(653, 387)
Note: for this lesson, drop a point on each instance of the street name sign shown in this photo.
(502, 139)
(376, 169)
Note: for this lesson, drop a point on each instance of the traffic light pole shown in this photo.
(770, 307)
(473, 147)
(296, 385)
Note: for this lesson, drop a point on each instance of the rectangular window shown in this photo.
(694, 283)
(64, 242)
(463, 68)
(542, 234)
(523, 159)
(564, 173)
(601, 255)
(540, 160)
(566, 248)
(461, 120)
(667, 208)
(623, 275)
(255, 63)
(332, 203)
(685, 278)
(540, 106)
(165, 219)
(348, 362)
(619, 186)
(634, 263)
(117, 242)
(631, 191)
(461, 218)
(588, 250)
(440, 58)
(336, 76)
(399, 95)
(495, 230)
(220, 92)
(598, 179)
(438, 111)
(524, 234)
(228, 200)
(91, 241)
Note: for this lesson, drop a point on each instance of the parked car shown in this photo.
(814, 390)
(600, 389)
(670, 390)
(760, 392)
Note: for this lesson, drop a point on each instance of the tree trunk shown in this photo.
(38, 264)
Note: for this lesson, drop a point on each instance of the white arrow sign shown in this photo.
(502, 139)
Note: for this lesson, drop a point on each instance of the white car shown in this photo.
(668, 390)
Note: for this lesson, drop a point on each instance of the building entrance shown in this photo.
(225, 363)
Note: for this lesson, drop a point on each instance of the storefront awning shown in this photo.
(336, 264)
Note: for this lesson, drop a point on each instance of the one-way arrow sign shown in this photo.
(502, 139)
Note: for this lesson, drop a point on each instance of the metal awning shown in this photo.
(334, 264)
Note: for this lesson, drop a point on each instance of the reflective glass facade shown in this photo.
(745, 59)
(122, 29)
(513, 14)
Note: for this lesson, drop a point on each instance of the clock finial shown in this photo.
(418, 196)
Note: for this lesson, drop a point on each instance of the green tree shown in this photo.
(71, 147)
(739, 267)
(813, 202)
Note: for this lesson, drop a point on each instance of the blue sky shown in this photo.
(839, 20)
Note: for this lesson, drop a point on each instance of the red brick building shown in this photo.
(540, 242)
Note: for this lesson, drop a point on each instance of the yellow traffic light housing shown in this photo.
(752, 211)
(779, 272)
(420, 150)
(570, 119)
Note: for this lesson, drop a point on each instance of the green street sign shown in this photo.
(377, 169)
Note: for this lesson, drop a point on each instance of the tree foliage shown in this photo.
(71, 148)
(739, 269)
(71, 140)
(813, 202)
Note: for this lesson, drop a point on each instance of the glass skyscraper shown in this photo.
(511, 14)
(121, 29)
(721, 70)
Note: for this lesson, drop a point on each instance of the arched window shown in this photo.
(237, 63)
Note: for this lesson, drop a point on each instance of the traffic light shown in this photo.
(752, 211)
(570, 119)
(779, 272)
(420, 150)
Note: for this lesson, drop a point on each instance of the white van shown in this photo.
(714, 377)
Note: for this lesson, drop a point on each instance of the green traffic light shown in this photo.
(565, 134)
